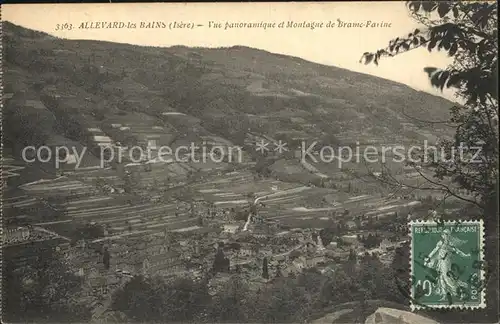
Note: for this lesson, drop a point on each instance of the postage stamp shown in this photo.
(447, 264)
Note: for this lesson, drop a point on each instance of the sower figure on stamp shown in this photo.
(440, 260)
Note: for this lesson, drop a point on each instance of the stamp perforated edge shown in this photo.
(481, 273)
(2, 300)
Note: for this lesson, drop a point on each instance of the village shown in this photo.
(175, 219)
(262, 216)
(153, 227)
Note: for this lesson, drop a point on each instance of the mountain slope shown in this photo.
(201, 92)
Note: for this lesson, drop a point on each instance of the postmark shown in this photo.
(447, 264)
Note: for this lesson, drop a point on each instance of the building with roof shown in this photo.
(65, 155)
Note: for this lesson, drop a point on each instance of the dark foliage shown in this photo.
(265, 270)
(41, 290)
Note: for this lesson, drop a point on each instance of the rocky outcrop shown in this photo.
(396, 316)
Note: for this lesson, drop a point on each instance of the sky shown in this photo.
(337, 46)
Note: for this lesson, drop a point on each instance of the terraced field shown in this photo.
(290, 203)
(223, 97)
(281, 201)
(121, 214)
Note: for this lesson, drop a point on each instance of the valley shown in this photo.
(172, 218)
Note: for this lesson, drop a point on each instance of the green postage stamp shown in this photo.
(446, 262)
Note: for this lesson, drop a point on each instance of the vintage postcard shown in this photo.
(250, 162)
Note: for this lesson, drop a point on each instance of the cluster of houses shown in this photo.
(158, 236)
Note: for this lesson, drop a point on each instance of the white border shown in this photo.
(481, 257)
